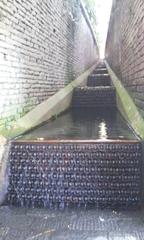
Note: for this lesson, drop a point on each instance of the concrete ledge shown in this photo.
(126, 105)
(43, 112)
(113, 141)
(49, 108)
(4, 151)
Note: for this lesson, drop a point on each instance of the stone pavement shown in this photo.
(43, 224)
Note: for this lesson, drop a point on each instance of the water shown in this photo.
(80, 124)
(56, 175)
(44, 224)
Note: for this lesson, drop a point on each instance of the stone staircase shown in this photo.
(94, 97)
(99, 91)
(104, 173)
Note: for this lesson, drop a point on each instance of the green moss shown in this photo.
(6, 124)
(127, 106)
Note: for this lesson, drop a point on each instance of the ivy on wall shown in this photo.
(91, 6)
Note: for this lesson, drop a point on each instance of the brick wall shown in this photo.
(125, 46)
(44, 44)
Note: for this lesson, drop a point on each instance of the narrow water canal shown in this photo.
(80, 124)
(80, 190)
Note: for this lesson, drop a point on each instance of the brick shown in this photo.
(125, 44)
(42, 50)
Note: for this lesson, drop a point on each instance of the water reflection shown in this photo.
(103, 131)
(84, 124)
(38, 224)
(40, 139)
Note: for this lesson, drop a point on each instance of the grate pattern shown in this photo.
(100, 71)
(105, 174)
(98, 80)
(94, 97)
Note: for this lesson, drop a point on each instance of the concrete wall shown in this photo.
(125, 46)
(44, 45)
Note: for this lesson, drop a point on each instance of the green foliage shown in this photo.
(90, 6)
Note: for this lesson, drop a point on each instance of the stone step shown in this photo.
(94, 97)
(100, 71)
(99, 80)
(101, 65)
(105, 173)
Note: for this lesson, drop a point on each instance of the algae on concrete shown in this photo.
(127, 106)
(47, 109)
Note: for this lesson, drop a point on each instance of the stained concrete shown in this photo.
(74, 224)
(4, 151)
(126, 105)
(52, 107)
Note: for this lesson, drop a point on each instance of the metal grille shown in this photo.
(98, 80)
(94, 97)
(105, 174)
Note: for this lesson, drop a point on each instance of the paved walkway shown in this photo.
(37, 224)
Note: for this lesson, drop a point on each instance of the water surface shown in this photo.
(80, 124)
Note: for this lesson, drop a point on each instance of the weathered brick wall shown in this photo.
(125, 46)
(44, 45)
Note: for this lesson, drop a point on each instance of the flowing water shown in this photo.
(76, 223)
(84, 124)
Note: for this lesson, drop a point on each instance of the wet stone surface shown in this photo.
(72, 224)
(84, 124)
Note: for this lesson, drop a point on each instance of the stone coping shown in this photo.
(126, 105)
(52, 107)
(77, 141)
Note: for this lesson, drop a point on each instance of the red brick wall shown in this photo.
(125, 46)
(44, 45)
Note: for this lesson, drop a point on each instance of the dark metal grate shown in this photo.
(105, 174)
(100, 71)
(98, 80)
(94, 97)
